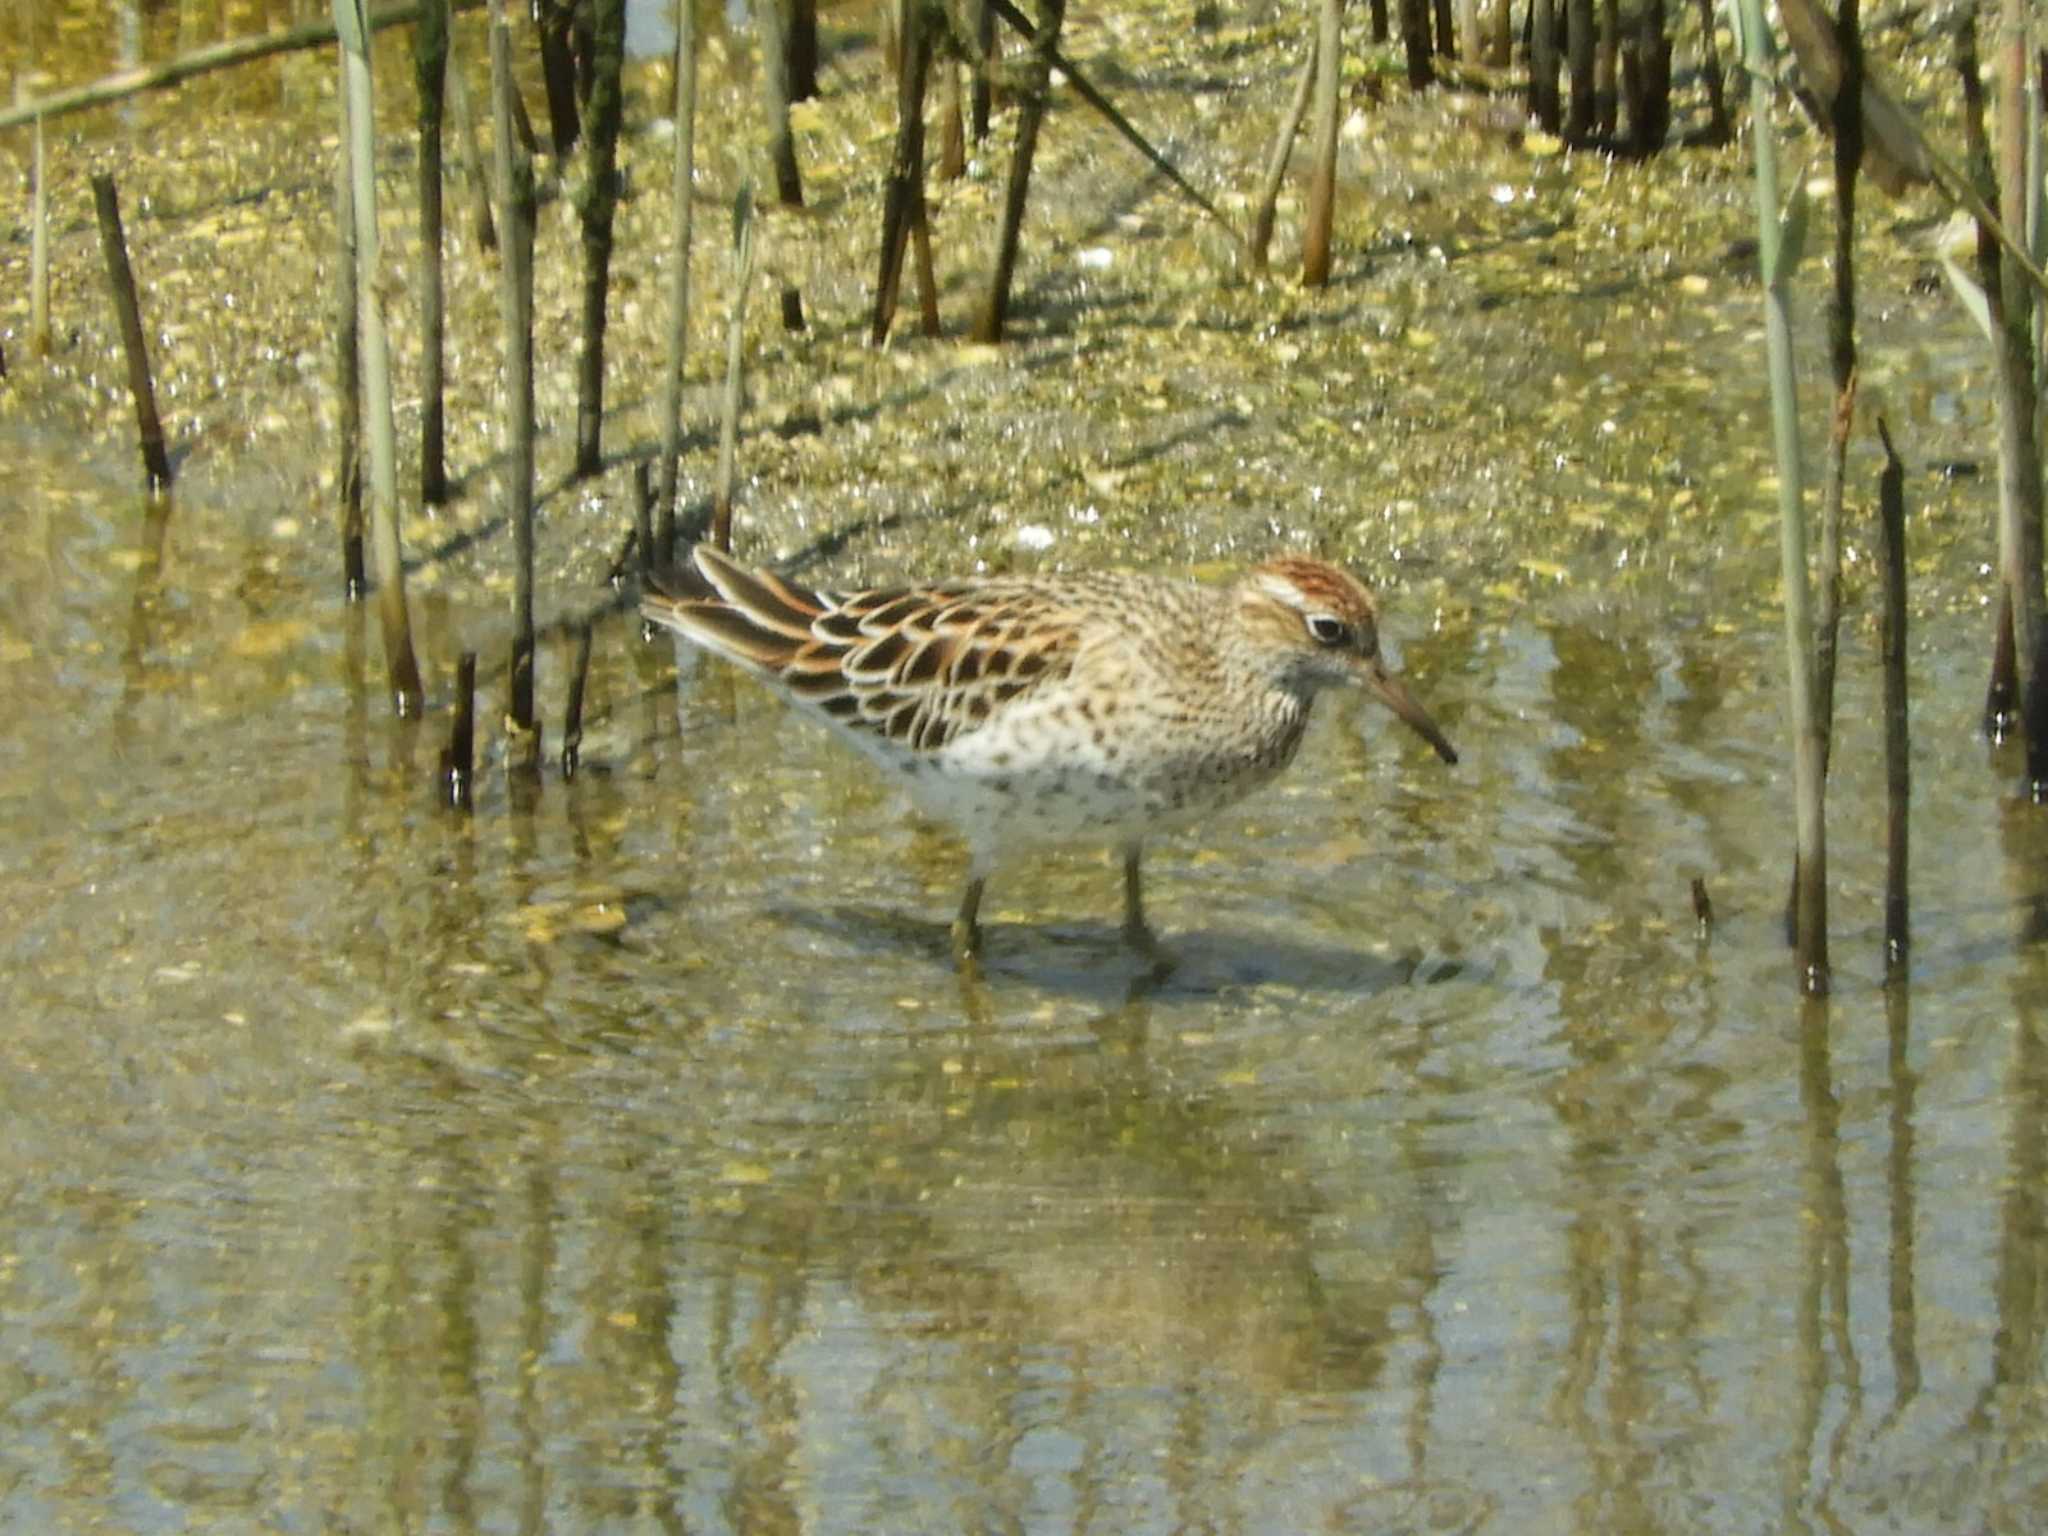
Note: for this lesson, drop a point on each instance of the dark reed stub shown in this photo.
(114, 246)
(2034, 713)
(572, 730)
(458, 758)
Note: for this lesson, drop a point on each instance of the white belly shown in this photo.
(1037, 775)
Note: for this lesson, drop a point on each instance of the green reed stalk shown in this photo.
(407, 694)
(515, 306)
(679, 282)
(1778, 241)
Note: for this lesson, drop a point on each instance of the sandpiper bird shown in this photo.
(1034, 710)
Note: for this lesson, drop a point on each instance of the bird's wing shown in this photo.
(916, 665)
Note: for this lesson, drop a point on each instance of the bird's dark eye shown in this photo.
(1328, 630)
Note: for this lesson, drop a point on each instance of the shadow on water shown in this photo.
(1093, 960)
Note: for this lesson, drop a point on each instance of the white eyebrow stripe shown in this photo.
(1280, 589)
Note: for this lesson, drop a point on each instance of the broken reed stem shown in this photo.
(802, 49)
(39, 241)
(1848, 155)
(1898, 769)
(953, 126)
(995, 308)
(662, 550)
(1545, 31)
(555, 22)
(927, 275)
(572, 716)
(1606, 61)
(921, 223)
(430, 66)
(1322, 185)
(1277, 160)
(2020, 540)
(1827, 623)
(633, 549)
(348, 381)
(771, 28)
(407, 694)
(1415, 40)
(1646, 80)
(597, 197)
(458, 759)
(474, 171)
(2019, 460)
(735, 357)
(1808, 779)
(515, 300)
(903, 192)
(643, 517)
(156, 461)
(980, 90)
(1580, 34)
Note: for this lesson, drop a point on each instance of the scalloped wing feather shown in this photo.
(916, 666)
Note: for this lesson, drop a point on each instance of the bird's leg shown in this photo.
(966, 930)
(1137, 932)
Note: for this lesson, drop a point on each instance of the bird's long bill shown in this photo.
(1395, 695)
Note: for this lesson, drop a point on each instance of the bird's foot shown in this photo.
(967, 927)
(1145, 943)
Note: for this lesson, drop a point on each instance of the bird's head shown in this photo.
(1310, 626)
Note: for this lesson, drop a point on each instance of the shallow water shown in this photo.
(631, 1156)
(627, 1155)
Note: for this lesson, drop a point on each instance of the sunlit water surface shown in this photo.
(627, 1154)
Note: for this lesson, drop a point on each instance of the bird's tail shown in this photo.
(750, 617)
